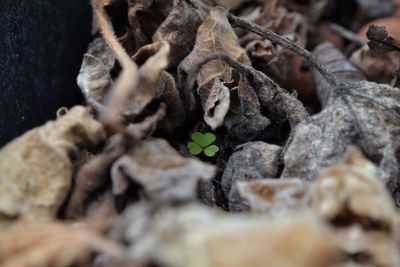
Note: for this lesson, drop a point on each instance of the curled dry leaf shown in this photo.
(195, 236)
(352, 187)
(349, 197)
(380, 69)
(163, 175)
(214, 35)
(338, 64)
(149, 76)
(54, 244)
(280, 104)
(178, 29)
(251, 161)
(380, 41)
(145, 17)
(361, 113)
(36, 168)
(93, 175)
(266, 56)
(94, 78)
(352, 198)
(244, 120)
(96, 172)
(275, 197)
(379, 59)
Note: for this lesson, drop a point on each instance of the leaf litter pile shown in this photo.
(217, 133)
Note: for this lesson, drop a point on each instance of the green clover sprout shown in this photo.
(203, 143)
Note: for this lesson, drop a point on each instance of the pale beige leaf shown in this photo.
(36, 168)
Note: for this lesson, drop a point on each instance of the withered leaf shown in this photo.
(338, 64)
(361, 113)
(54, 244)
(280, 104)
(36, 168)
(94, 78)
(96, 172)
(170, 95)
(349, 197)
(215, 34)
(352, 198)
(93, 175)
(162, 173)
(150, 73)
(178, 29)
(194, 236)
(145, 17)
(275, 197)
(266, 56)
(377, 68)
(380, 41)
(352, 187)
(250, 161)
(244, 120)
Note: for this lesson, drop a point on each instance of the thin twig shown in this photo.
(277, 39)
(347, 34)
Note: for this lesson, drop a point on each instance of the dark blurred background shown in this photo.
(42, 43)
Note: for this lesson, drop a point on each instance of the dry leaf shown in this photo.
(349, 197)
(380, 69)
(94, 78)
(145, 17)
(338, 64)
(96, 172)
(54, 244)
(361, 113)
(194, 236)
(149, 76)
(36, 168)
(250, 161)
(352, 198)
(162, 174)
(244, 121)
(275, 197)
(178, 29)
(214, 35)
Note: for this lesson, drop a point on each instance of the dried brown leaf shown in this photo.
(250, 161)
(53, 244)
(214, 35)
(380, 41)
(169, 94)
(362, 113)
(94, 78)
(266, 56)
(145, 17)
(178, 29)
(352, 198)
(349, 197)
(194, 236)
(275, 197)
(161, 172)
(96, 172)
(244, 121)
(380, 69)
(36, 168)
(338, 64)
